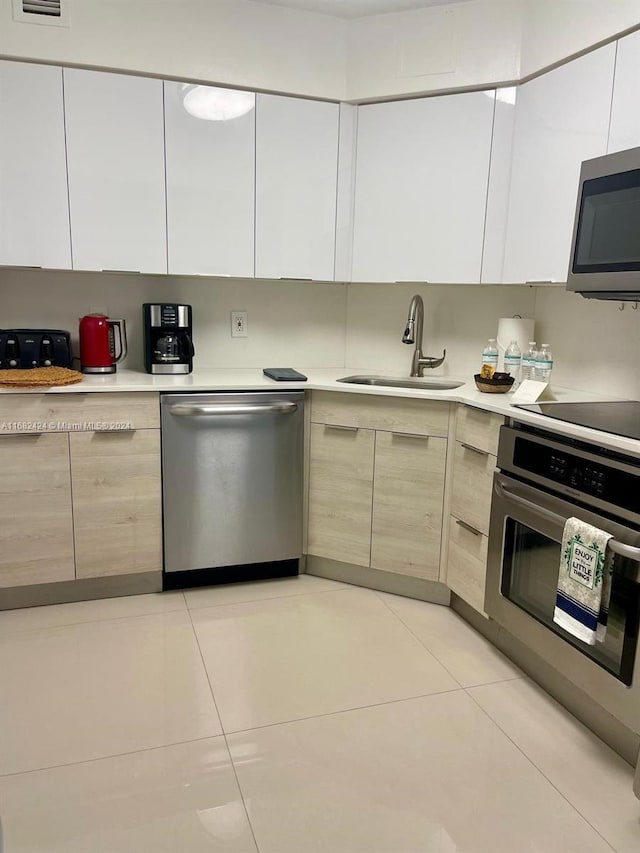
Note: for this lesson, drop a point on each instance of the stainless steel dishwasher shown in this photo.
(231, 486)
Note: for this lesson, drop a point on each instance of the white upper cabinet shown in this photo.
(421, 188)
(562, 118)
(495, 228)
(115, 150)
(34, 210)
(625, 111)
(296, 178)
(210, 185)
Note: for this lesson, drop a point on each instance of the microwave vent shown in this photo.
(54, 12)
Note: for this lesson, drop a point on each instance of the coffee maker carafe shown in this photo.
(168, 342)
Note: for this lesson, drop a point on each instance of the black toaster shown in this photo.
(26, 348)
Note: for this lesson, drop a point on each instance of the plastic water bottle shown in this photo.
(490, 354)
(528, 370)
(544, 364)
(512, 360)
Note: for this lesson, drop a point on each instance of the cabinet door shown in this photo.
(210, 190)
(115, 148)
(34, 209)
(340, 493)
(296, 179)
(116, 502)
(36, 535)
(625, 113)
(562, 118)
(421, 188)
(408, 490)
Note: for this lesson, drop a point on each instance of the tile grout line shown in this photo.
(11, 631)
(351, 710)
(413, 634)
(347, 588)
(532, 762)
(224, 734)
(106, 757)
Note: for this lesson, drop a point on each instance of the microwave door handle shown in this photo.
(620, 548)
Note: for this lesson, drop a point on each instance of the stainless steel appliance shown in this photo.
(168, 337)
(232, 486)
(543, 480)
(605, 251)
(25, 348)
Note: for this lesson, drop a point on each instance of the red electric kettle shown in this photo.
(98, 343)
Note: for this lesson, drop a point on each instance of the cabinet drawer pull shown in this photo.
(339, 426)
(26, 432)
(468, 527)
(409, 434)
(474, 449)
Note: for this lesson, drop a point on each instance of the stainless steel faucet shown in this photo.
(413, 335)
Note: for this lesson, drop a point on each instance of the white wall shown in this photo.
(443, 47)
(358, 326)
(462, 317)
(222, 41)
(290, 324)
(555, 29)
(273, 48)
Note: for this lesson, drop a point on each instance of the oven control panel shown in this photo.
(607, 480)
(586, 478)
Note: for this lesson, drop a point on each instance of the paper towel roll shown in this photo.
(513, 329)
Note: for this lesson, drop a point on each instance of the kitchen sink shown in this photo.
(408, 382)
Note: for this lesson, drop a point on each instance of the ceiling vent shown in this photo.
(52, 12)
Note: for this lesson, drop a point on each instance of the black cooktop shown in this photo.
(621, 418)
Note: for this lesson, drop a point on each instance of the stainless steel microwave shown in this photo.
(605, 251)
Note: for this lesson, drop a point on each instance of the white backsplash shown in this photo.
(289, 323)
(303, 324)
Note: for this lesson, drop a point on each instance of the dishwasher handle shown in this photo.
(190, 410)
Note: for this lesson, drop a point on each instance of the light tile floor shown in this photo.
(289, 716)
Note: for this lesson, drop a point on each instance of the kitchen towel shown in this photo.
(582, 596)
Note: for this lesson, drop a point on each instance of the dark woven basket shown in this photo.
(499, 384)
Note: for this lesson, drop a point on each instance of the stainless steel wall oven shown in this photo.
(544, 479)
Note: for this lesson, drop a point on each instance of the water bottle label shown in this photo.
(489, 358)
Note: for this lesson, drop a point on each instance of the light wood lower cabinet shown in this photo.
(36, 531)
(467, 562)
(76, 501)
(376, 482)
(116, 502)
(340, 493)
(470, 507)
(408, 487)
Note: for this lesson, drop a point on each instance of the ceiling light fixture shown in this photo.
(213, 104)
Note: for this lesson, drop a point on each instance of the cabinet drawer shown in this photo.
(78, 412)
(467, 563)
(478, 429)
(392, 414)
(472, 483)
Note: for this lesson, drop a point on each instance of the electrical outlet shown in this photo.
(239, 324)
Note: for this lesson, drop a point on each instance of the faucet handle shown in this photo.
(430, 361)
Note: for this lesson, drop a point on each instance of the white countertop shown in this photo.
(252, 379)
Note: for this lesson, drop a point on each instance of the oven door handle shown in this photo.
(629, 551)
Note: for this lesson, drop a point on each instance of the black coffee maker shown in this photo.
(168, 342)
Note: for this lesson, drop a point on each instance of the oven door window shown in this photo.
(530, 567)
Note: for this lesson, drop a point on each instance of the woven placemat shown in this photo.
(39, 377)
